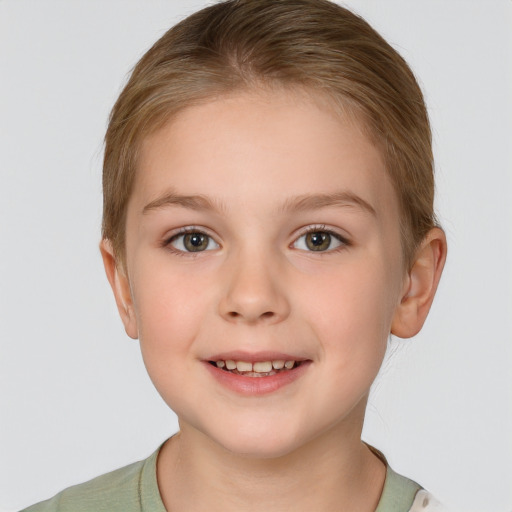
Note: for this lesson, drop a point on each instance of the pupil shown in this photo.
(195, 242)
(318, 241)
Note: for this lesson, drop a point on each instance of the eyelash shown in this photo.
(313, 229)
(182, 232)
(322, 229)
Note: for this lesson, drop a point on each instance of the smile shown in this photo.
(256, 369)
(256, 374)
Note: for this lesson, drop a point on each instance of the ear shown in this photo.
(420, 285)
(118, 280)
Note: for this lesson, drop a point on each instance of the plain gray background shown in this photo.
(75, 400)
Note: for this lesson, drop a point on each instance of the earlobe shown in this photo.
(420, 285)
(120, 285)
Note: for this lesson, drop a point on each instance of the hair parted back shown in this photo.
(239, 45)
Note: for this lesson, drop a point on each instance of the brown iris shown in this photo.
(318, 240)
(195, 242)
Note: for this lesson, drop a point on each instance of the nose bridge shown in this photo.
(254, 289)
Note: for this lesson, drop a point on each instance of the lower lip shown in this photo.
(254, 386)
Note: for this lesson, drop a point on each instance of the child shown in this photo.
(268, 222)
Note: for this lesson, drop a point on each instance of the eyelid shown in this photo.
(315, 228)
(167, 242)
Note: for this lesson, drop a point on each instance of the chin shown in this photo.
(250, 432)
(258, 443)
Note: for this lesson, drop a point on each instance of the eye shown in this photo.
(192, 241)
(319, 240)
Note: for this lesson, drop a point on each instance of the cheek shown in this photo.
(169, 308)
(351, 311)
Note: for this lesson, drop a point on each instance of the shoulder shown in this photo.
(401, 493)
(109, 492)
(425, 502)
(128, 489)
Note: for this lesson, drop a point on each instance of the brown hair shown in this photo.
(315, 45)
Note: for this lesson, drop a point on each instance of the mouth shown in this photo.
(257, 368)
(256, 373)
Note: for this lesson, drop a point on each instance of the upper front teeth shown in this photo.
(242, 366)
(259, 367)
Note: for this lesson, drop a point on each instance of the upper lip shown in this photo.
(254, 357)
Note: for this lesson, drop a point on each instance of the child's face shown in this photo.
(251, 175)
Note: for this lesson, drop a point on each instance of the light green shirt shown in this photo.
(134, 488)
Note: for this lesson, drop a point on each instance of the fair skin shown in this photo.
(249, 175)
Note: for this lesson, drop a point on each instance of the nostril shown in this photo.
(267, 314)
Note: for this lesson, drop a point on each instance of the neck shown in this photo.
(332, 472)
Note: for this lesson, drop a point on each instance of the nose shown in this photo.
(254, 291)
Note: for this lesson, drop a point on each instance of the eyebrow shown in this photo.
(316, 201)
(192, 202)
(303, 202)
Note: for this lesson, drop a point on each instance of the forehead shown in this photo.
(262, 147)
